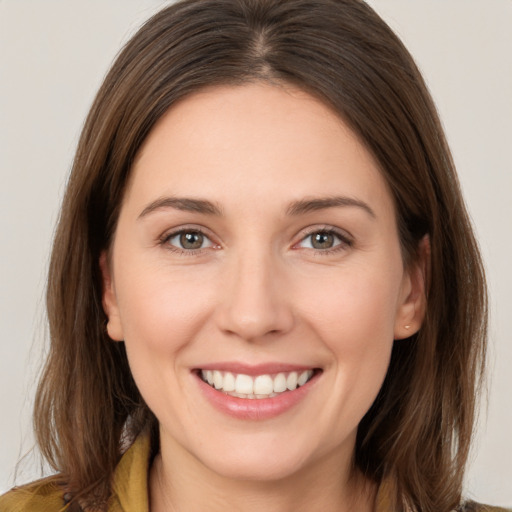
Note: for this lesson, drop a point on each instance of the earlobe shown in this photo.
(412, 309)
(109, 300)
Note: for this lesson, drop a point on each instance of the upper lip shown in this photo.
(257, 369)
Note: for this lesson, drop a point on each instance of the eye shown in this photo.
(188, 240)
(324, 240)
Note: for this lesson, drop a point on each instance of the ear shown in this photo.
(109, 300)
(413, 301)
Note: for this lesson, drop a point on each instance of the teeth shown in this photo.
(229, 382)
(291, 381)
(261, 386)
(303, 378)
(218, 380)
(244, 384)
(280, 383)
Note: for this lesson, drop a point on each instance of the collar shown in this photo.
(130, 484)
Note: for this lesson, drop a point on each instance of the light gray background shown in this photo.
(53, 55)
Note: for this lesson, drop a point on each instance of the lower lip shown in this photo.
(257, 408)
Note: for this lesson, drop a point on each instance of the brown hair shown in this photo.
(419, 428)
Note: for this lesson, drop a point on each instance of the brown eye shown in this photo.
(322, 240)
(188, 240)
(325, 240)
(191, 240)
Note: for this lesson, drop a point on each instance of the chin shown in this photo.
(263, 458)
(263, 467)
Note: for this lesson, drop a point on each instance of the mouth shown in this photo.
(256, 387)
(256, 392)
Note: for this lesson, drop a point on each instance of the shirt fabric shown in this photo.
(130, 489)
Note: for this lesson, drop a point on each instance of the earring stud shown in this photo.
(407, 326)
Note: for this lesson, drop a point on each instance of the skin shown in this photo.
(258, 291)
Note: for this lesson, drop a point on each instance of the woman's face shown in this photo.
(257, 248)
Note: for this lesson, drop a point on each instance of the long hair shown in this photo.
(418, 430)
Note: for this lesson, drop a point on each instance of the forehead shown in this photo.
(255, 141)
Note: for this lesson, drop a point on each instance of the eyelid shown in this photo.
(346, 239)
(188, 228)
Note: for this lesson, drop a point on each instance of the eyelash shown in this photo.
(164, 241)
(344, 240)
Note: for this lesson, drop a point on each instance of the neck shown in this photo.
(179, 485)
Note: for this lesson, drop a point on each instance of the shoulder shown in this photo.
(471, 506)
(41, 496)
(385, 492)
(129, 486)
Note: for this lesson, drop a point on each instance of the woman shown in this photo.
(264, 288)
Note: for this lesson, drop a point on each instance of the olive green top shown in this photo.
(130, 489)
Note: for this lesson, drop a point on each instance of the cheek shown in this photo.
(356, 305)
(354, 314)
(161, 313)
(161, 309)
(357, 328)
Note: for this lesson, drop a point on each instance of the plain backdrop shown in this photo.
(53, 56)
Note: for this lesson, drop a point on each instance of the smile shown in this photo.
(263, 386)
(256, 392)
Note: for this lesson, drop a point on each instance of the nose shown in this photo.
(254, 303)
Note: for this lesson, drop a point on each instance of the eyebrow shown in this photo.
(322, 203)
(182, 203)
(303, 206)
